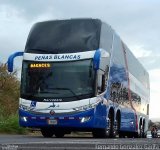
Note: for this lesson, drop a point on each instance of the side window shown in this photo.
(102, 81)
(106, 37)
(118, 56)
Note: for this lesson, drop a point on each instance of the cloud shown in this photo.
(29, 10)
(148, 58)
(140, 51)
(154, 86)
(14, 31)
(150, 62)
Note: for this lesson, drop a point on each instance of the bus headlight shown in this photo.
(85, 119)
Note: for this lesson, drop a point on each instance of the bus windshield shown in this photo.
(57, 81)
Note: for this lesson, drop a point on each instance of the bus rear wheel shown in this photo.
(99, 133)
(142, 133)
(47, 132)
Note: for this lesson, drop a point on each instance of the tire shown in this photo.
(111, 131)
(99, 133)
(107, 132)
(59, 134)
(47, 132)
(144, 134)
(136, 135)
(121, 135)
(130, 134)
(141, 134)
(118, 125)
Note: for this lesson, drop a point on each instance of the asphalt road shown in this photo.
(36, 142)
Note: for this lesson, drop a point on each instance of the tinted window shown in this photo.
(106, 37)
(64, 80)
(64, 36)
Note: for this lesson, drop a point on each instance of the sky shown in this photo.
(136, 21)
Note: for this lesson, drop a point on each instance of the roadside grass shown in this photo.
(9, 125)
(9, 97)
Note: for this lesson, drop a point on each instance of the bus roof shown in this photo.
(64, 36)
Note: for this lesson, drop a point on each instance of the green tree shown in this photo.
(9, 91)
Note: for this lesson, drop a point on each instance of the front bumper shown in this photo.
(83, 120)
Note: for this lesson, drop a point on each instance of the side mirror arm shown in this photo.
(10, 61)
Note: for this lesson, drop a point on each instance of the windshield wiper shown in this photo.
(67, 90)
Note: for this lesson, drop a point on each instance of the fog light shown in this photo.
(24, 119)
(85, 119)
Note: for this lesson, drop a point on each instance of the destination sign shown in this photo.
(40, 65)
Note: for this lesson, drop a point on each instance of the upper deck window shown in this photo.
(64, 36)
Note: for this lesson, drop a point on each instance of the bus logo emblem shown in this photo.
(52, 112)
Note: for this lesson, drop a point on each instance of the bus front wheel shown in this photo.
(107, 132)
(47, 132)
(59, 134)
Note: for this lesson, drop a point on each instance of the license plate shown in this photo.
(52, 121)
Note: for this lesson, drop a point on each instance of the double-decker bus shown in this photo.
(78, 75)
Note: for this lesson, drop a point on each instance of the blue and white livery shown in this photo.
(77, 75)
